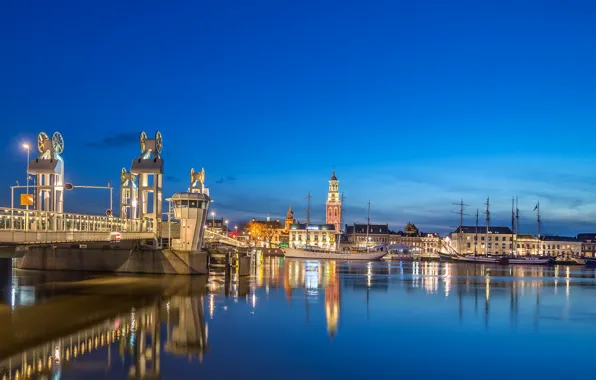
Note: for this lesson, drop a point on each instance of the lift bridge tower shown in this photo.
(48, 169)
(148, 167)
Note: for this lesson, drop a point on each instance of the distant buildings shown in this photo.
(314, 235)
(475, 240)
(216, 225)
(360, 236)
(419, 242)
(560, 246)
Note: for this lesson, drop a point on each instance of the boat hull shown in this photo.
(531, 261)
(300, 254)
(474, 259)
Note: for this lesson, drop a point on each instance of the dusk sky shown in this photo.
(417, 104)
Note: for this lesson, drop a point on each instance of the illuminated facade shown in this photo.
(474, 240)
(559, 246)
(419, 242)
(358, 234)
(319, 235)
(333, 204)
(527, 244)
(588, 242)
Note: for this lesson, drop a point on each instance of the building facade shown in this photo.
(560, 246)
(333, 204)
(265, 233)
(216, 225)
(527, 244)
(588, 242)
(321, 236)
(361, 236)
(418, 242)
(475, 240)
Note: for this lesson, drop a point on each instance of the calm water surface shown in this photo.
(328, 320)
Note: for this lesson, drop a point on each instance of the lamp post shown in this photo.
(28, 148)
(236, 229)
(226, 222)
(213, 221)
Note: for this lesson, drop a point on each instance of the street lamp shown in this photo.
(213, 221)
(226, 222)
(236, 229)
(26, 146)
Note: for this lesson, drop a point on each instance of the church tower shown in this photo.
(333, 204)
(289, 219)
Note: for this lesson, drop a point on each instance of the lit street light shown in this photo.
(26, 146)
(213, 221)
(226, 222)
(236, 229)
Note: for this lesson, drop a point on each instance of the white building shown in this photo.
(319, 235)
(476, 240)
(560, 246)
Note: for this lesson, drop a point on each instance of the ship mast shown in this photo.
(487, 225)
(307, 216)
(537, 208)
(460, 236)
(512, 224)
(476, 237)
(516, 224)
(367, 225)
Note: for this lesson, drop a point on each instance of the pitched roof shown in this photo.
(372, 229)
(482, 229)
(586, 236)
(558, 238)
(312, 227)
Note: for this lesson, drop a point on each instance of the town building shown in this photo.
(313, 235)
(417, 241)
(588, 244)
(216, 225)
(333, 204)
(476, 240)
(527, 244)
(265, 233)
(362, 235)
(560, 246)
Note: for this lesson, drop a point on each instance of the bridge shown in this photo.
(42, 221)
(22, 227)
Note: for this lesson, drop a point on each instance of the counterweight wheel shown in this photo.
(41, 139)
(57, 143)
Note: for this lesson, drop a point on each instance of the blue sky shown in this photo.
(416, 103)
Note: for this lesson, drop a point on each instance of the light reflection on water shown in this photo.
(294, 319)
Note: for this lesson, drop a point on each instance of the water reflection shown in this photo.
(350, 304)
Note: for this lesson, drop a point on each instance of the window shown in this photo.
(482, 238)
(468, 245)
(496, 238)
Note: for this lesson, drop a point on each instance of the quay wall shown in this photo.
(113, 258)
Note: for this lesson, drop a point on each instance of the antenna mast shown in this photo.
(512, 223)
(538, 217)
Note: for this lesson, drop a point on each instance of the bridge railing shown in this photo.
(47, 221)
(211, 236)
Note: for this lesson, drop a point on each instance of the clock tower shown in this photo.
(333, 204)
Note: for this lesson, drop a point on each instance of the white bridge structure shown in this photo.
(140, 205)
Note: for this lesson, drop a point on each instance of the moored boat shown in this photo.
(325, 255)
(569, 260)
(531, 260)
(475, 259)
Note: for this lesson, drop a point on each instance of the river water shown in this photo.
(305, 320)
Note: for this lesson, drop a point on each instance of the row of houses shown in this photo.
(503, 241)
(465, 240)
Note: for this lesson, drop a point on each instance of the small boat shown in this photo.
(591, 261)
(531, 260)
(475, 259)
(325, 255)
(569, 260)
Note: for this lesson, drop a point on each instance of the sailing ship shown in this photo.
(316, 253)
(453, 255)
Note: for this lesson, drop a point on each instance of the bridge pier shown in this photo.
(117, 257)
